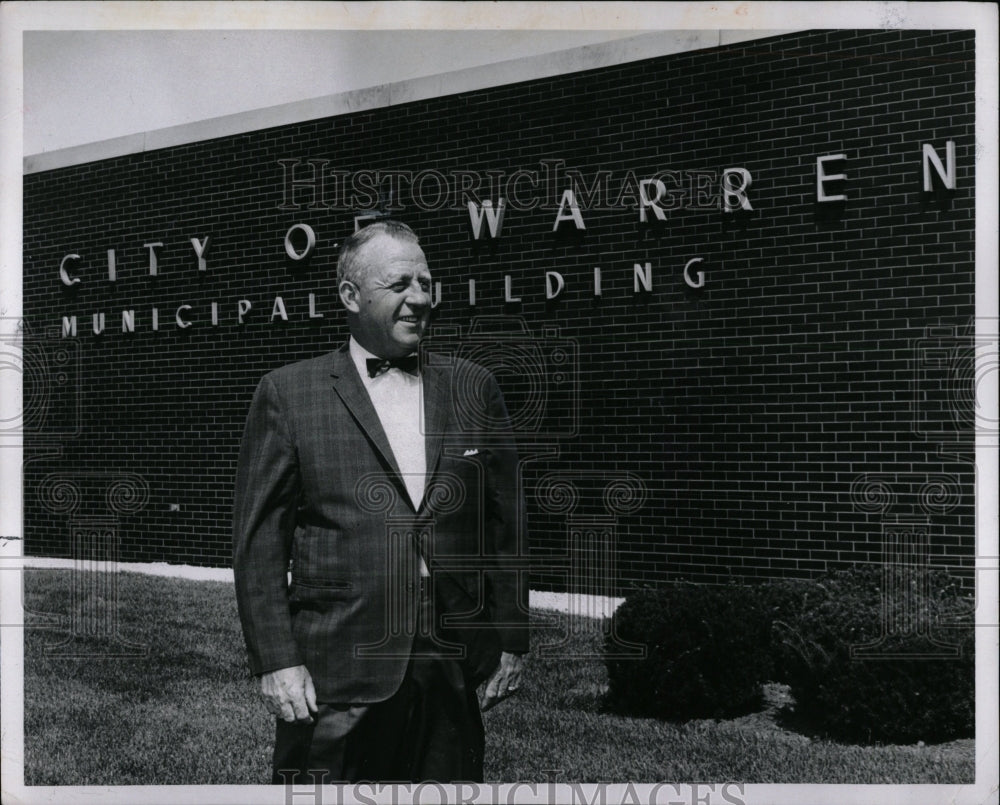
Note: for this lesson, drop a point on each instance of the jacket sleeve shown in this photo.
(266, 497)
(506, 573)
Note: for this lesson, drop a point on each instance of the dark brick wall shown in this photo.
(788, 416)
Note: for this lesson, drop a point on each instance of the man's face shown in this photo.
(392, 299)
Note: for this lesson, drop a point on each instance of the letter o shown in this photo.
(310, 242)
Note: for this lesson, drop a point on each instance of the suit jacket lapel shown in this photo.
(351, 390)
(437, 404)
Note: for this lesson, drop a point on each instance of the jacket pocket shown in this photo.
(314, 593)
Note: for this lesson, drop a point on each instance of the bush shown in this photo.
(777, 601)
(707, 652)
(902, 690)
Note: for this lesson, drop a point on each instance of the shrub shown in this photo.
(900, 689)
(707, 652)
(777, 601)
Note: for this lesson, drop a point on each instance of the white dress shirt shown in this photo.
(396, 396)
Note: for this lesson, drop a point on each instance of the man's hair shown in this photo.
(348, 264)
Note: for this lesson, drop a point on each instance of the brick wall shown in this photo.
(793, 413)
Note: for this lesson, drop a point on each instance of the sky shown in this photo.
(86, 86)
(95, 71)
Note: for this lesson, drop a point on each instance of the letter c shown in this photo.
(181, 321)
(64, 275)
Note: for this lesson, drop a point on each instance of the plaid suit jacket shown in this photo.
(319, 492)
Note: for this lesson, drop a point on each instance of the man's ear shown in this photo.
(350, 296)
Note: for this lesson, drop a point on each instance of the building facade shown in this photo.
(728, 294)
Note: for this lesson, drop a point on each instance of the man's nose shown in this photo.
(418, 297)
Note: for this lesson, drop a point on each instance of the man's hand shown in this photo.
(289, 694)
(506, 680)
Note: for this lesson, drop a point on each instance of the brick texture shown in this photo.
(793, 414)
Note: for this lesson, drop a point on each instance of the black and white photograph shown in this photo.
(499, 402)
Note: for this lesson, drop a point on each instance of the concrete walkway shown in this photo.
(592, 606)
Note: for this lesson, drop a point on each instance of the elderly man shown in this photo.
(387, 483)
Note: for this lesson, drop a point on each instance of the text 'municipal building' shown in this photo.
(728, 291)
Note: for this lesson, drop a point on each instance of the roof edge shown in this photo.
(546, 65)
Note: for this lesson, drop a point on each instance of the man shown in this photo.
(391, 489)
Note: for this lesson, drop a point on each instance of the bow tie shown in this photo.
(406, 364)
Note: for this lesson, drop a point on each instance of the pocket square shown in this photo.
(472, 452)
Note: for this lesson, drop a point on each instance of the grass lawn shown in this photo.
(188, 713)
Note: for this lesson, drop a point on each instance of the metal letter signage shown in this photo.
(199, 249)
(569, 210)
(931, 158)
(699, 280)
(822, 177)
(494, 218)
(63, 275)
(735, 182)
(310, 242)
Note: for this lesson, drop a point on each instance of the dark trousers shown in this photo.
(430, 729)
